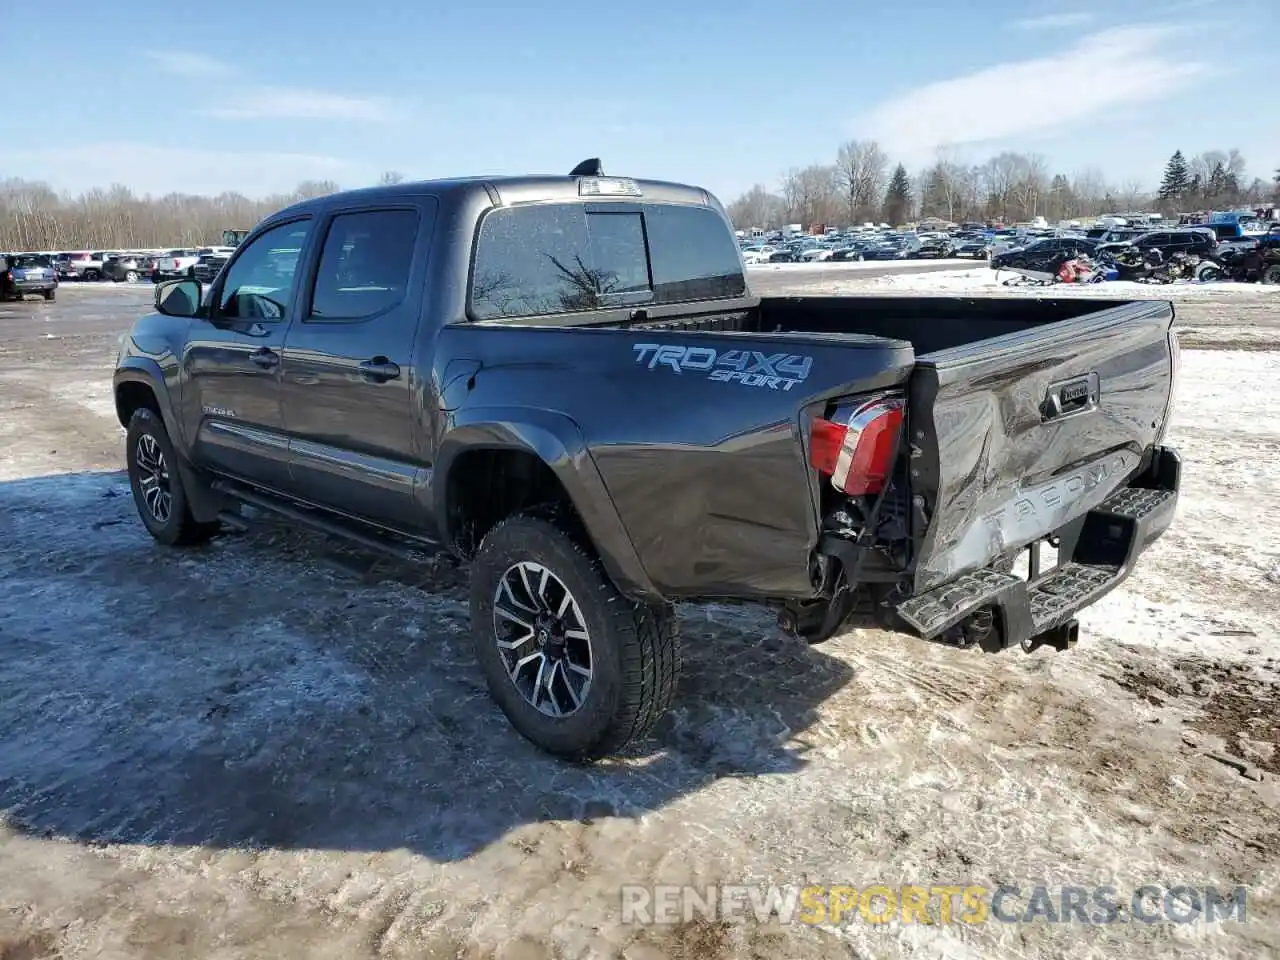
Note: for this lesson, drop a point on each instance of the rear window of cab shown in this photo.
(554, 258)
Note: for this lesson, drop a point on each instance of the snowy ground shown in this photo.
(987, 281)
(275, 746)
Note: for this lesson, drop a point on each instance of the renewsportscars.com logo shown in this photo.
(777, 371)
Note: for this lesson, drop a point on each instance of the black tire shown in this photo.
(1271, 275)
(634, 649)
(176, 527)
(92, 276)
(50, 294)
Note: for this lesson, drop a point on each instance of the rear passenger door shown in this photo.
(348, 386)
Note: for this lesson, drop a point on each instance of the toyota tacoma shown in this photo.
(566, 383)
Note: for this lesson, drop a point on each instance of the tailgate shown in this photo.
(1015, 436)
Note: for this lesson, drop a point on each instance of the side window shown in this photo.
(693, 253)
(259, 284)
(1157, 240)
(364, 267)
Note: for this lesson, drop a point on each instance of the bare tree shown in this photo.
(390, 177)
(757, 208)
(1030, 183)
(811, 195)
(34, 217)
(860, 176)
(1132, 195)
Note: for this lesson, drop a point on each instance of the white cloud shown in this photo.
(185, 64)
(1055, 21)
(287, 103)
(157, 170)
(1109, 68)
(250, 101)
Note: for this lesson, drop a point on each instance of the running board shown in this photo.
(409, 549)
(1112, 537)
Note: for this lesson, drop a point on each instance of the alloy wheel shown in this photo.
(542, 639)
(153, 478)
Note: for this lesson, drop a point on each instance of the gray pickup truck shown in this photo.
(566, 382)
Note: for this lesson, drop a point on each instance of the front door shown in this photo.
(233, 360)
(348, 383)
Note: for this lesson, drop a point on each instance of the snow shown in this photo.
(849, 266)
(984, 280)
(275, 745)
(1225, 538)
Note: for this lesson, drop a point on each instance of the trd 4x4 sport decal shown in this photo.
(778, 371)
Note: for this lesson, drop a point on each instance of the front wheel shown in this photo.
(50, 294)
(578, 669)
(131, 276)
(156, 482)
(1210, 273)
(1271, 274)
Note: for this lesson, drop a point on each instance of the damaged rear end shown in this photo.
(1013, 482)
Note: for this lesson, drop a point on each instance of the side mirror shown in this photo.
(178, 298)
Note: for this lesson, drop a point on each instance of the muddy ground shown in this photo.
(275, 746)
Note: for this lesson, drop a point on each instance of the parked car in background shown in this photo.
(896, 246)
(176, 264)
(849, 251)
(28, 273)
(973, 246)
(72, 266)
(933, 247)
(127, 267)
(210, 261)
(1035, 252)
(1193, 241)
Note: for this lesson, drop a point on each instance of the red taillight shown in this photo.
(855, 447)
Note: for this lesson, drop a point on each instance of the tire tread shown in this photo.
(647, 635)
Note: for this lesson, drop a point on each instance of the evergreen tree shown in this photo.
(1177, 178)
(897, 199)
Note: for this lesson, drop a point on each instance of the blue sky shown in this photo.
(725, 93)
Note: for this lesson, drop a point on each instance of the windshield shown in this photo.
(30, 261)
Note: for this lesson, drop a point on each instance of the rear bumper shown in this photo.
(34, 286)
(1096, 555)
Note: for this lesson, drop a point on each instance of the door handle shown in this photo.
(265, 358)
(379, 370)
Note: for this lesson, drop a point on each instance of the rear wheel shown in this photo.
(156, 482)
(50, 294)
(1271, 274)
(131, 276)
(1210, 272)
(578, 669)
(92, 275)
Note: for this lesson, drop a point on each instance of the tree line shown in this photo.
(861, 185)
(864, 185)
(33, 216)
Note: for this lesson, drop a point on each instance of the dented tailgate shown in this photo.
(1014, 437)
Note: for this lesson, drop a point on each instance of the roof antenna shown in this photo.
(588, 168)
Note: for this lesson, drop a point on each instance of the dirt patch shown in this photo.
(39, 946)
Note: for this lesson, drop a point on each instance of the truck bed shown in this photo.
(1022, 416)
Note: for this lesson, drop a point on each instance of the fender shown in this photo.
(144, 370)
(557, 441)
(205, 505)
